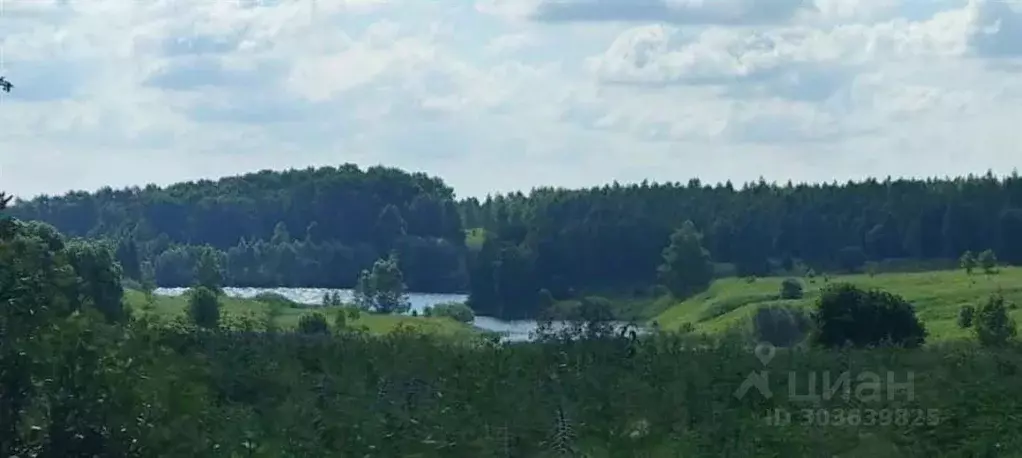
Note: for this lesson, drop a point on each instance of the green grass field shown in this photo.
(474, 238)
(937, 296)
(169, 308)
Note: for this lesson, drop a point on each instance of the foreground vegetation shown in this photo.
(149, 391)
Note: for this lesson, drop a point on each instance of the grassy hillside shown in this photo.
(937, 297)
(168, 308)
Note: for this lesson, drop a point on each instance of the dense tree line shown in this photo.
(313, 227)
(613, 236)
(322, 227)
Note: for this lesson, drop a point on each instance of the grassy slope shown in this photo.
(167, 307)
(937, 296)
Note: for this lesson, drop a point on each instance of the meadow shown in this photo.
(937, 295)
(286, 316)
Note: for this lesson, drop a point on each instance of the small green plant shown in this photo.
(968, 262)
(993, 326)
(340, 320)
(781, 326)
(313, 323)
(966, 315)
(204, 307)
(791, 288)
(988, 261)
(455, 310)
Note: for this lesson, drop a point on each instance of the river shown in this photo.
(514, 331)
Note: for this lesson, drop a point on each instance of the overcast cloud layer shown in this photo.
(498, 95)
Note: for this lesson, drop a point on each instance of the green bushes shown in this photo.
(846, 314)
(454, 310)
(993, 326)
(204, 307)
(166, 392)
(313, 323)
(781, 326)
(791, 288)
(276, 299)
(966, 316)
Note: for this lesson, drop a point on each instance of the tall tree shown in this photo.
(382, 289)
(208, 273)
(687, 268)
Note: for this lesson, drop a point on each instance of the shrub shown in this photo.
(781, 326)
(846, 314)
(455, 310)
(988, 261)
(791, 289)
(340, 319)
(275, 298)
(313, 323)
(968, 262)
(993, 326)
(204, 307)
(965, 316)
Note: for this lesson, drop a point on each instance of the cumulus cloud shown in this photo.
(732, 12)
(506, 94)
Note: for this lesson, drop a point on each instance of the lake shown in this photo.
(515, 331)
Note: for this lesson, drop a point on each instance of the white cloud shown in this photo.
(677, 11)
(507, 94)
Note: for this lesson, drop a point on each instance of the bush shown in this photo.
(993, 326)
(781, 326)
(791, 289)
(847, 314)
(988, 261)
(455, 310)
(204, 307)
(313, 323)
(965, 316)
(275, 298)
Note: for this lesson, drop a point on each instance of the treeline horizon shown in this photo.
(319, 227)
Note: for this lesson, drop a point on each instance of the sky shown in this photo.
(502, 95)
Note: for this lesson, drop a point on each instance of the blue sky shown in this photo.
(499, 95)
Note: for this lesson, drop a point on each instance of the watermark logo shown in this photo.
(812, 387)
(760, 380)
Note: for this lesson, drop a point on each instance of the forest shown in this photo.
(319, 227)
(312, 227)
(86, 372)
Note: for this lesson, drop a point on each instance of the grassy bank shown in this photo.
(172, 307)
(937, 296)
